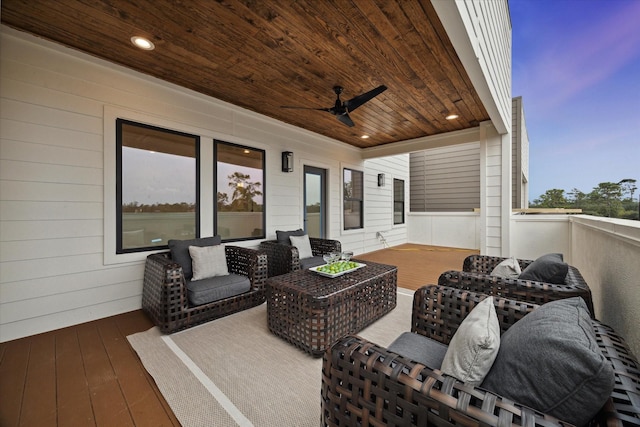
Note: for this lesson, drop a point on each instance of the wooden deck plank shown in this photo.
(109, 405)
(419, 265)
(13, 373)
(130, 323)
(74, 400)
(144, 406)
(39, 401)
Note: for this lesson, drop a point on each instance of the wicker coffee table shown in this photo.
(312, 311)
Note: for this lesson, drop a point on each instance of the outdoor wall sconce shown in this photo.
(380, 180)
(287, 161)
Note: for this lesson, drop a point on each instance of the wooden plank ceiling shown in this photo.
(261, 55)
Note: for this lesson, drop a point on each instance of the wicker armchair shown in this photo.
(476, 277)
(366, 384)
(284, 258)
(164, 292)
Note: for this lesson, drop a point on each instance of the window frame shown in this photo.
(119, 250)
(402, 202)
(216, 143)
(346, 199)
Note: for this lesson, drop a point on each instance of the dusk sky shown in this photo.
(576, 64)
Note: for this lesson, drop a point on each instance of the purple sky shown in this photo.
(576, 64)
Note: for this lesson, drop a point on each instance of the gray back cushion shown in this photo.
(283, 236)
(550, 361)
(180, 251)
(548, 268)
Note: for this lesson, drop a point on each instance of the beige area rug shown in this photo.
(233, 371)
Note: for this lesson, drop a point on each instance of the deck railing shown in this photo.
(605, 250)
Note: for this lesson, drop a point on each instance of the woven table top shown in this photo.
(316, 286)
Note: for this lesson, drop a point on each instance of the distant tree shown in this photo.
(223, 201)
(607, 196)
(136, 207)
(628, 186)
(551, 199)
(576, 198)
(607, 199)
(243, 191)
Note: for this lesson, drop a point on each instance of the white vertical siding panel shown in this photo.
(485, 51)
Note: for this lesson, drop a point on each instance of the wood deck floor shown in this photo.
(88, 375)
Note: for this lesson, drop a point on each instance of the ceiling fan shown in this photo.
(341, 109)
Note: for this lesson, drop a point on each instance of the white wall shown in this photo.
(536, 235)
(607, 253)
(450, 229)
(379, 203)
(605, 250)
(57, 112)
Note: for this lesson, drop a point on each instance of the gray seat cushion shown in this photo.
(216, 288)
(314, 261)
(550, 361)
(180, 251)
(420, 349)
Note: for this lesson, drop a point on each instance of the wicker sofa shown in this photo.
(164, 292)
(366, 384)
(284, 258)
(475, 276)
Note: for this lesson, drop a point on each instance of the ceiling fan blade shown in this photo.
(344, 118)
(357, 101)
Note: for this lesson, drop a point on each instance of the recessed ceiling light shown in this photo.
(364, 136)
(246, 151)
(142, 43)
(452, 117)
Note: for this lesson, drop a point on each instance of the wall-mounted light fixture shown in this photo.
(380, 180)
(287, 161)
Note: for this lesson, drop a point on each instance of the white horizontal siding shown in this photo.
(53, 106)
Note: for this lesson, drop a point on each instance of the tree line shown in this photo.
(608, 199)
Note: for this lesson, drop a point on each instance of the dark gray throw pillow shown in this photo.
(283, 236)
(180, 251)
(548, 268)
(550, 361)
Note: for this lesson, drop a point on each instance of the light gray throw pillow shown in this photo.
(475, 345)
(208, 261)
(303, 244)
(180, 251)
(508, 268)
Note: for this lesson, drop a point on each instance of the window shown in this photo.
(156, 186)
(240, 213)
(398, 201)
(352, 191)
